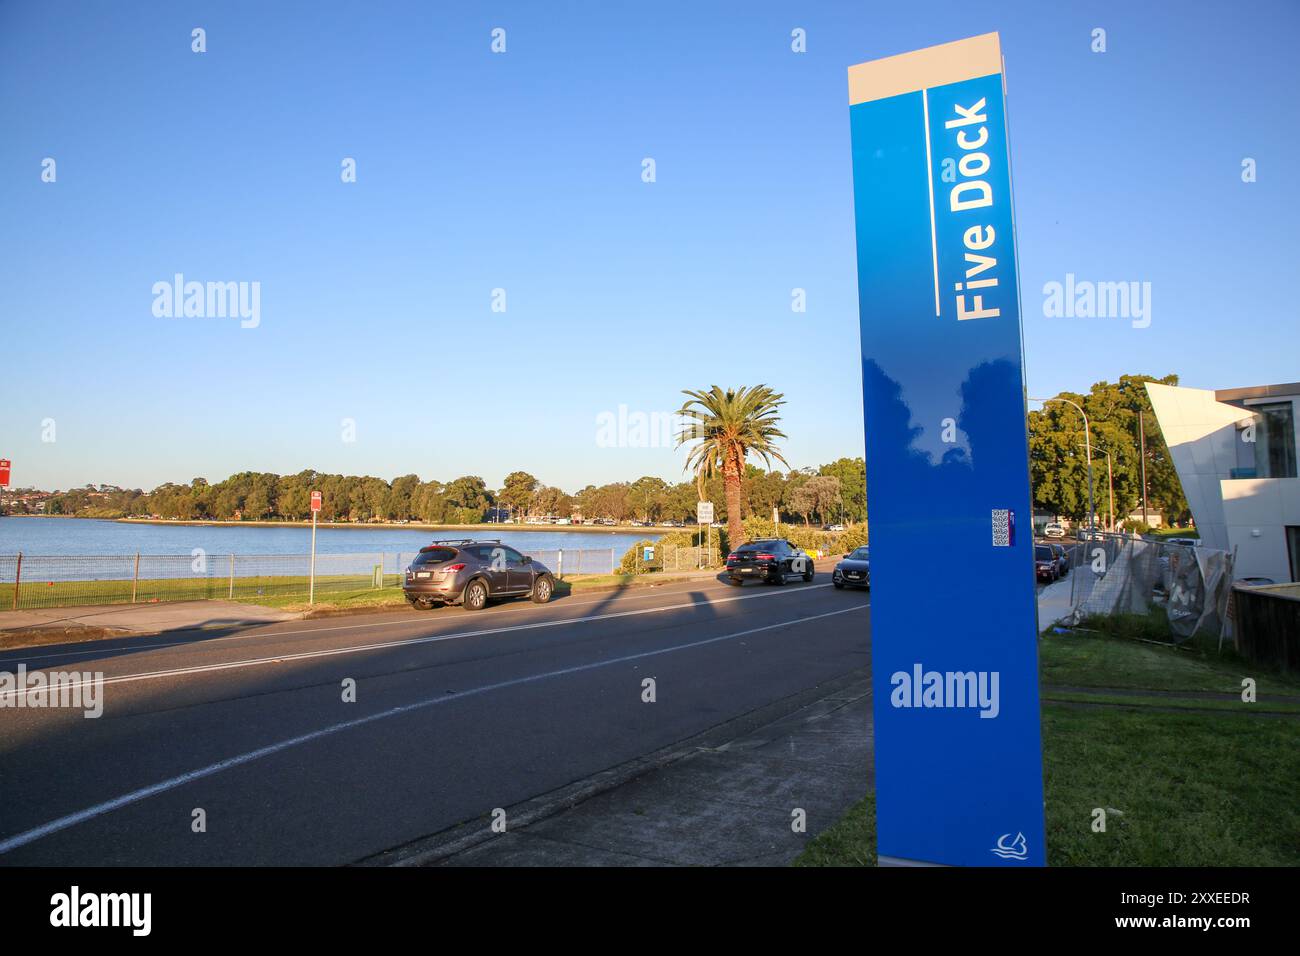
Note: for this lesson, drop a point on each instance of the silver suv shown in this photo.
(470, 572)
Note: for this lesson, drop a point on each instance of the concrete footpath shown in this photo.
(128, 619)
(730, 804)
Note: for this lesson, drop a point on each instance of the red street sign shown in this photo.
(315, 501)
(4, 472)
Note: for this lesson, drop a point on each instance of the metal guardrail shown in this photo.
(45, 581)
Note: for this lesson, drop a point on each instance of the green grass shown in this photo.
(1178, 789)
(1174, 533)
(1192, 789)
(1107, 660)
(850, 842)
(271, 591)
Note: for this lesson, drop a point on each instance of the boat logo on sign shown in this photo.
(1009, 849)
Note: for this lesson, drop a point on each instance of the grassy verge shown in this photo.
(1124, 659)
(1173, 533)
(271, 591)
(1190, 789)
(850, 842)
(282, 591)
(1177, 789)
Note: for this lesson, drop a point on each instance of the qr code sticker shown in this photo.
(1001, 527)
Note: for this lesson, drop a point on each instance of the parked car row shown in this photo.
(854, 571)
(1051, 562)
(471, 572)
(770, 560)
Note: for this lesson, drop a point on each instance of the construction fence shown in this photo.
(1121, 574)
(45, 581)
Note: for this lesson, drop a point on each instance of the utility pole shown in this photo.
(1110, 482)
(1087, 441)
(1142, 457)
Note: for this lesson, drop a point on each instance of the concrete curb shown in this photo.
(471, 833)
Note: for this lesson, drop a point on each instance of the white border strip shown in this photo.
(929, 181)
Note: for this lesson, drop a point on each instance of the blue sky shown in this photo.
(522, 171)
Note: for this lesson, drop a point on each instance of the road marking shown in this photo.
(626, 595)
(629, 594)
(408, 642)
(135, 796)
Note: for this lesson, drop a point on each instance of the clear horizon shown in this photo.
(523, 171)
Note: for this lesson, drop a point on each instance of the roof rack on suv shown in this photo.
(445, 541)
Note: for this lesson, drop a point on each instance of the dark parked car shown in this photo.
(772, 560)
(471, 572)
(854, 571)
(1046, 567)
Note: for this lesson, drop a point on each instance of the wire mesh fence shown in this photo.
(649, 558)
(46, 581)
(1122, 574)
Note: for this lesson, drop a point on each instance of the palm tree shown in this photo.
(726, 427)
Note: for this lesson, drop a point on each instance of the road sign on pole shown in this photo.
(4, 472)
(311, 585)
(957, 742)
(704, 516)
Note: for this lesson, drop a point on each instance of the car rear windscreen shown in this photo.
(434, 556)
(757, 546)
(1042, 553)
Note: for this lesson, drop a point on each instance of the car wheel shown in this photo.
(779, 577)
(808, 575)
(543, 589)
(476, 595)
(839, 585)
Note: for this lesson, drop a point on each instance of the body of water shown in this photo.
(86, 536)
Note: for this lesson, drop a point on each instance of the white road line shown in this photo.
(135, 796)
(409, 642)
(629, 595)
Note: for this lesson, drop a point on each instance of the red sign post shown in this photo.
(311, 585)
(4, 472)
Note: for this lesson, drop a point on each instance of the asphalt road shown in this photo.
(456, 713)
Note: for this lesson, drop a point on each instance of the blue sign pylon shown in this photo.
(958, 749)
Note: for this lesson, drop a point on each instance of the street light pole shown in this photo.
(1142, 456)
(1087, 441)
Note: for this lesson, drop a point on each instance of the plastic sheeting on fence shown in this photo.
(1117, 574)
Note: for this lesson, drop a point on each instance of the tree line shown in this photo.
(835, 492)
(735, 424)
(1121, 424)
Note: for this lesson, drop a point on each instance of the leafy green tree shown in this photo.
(517, 495)
(852, 474)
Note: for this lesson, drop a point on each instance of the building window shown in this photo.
(1275, 441)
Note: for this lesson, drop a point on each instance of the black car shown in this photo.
(772, 560)
(1046, 566)
(854, 571)
(471, 572)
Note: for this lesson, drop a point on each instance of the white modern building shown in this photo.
(1235, 453)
